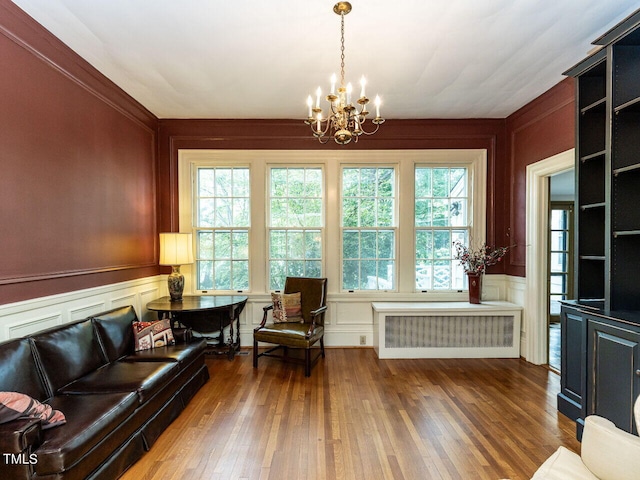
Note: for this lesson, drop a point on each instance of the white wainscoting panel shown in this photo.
(23, 328)
(30, 316)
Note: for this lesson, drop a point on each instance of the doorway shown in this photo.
(536, 301)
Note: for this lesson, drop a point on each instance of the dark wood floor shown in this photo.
(358, 417)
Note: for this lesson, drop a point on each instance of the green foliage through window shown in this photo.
(368, 228)
(222, 217)
(441, 218)
(296, 218)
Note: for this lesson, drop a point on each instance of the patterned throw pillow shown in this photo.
(14, 405)
(152, 334)
(287, 307)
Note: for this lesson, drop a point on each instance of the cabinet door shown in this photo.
(572, 368)
(613, 360)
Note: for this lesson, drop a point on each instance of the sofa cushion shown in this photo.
(89, 421)
(563, 465)
(114, 331)
(18, 371)
(148, 335)
(14, 405)
(181, 353)
(144, 378)
(68, 352)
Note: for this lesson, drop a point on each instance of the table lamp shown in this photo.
(176, 250)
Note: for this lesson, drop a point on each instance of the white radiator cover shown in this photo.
(449, 331)
(446, 330)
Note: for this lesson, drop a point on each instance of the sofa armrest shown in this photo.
(20, 435)
(19, 439)
(609, 452)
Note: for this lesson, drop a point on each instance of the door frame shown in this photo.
(537, 272)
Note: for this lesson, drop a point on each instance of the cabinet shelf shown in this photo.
(629, 168)
(589, 206)
(593, 106)
(592, 156)
(625, 233)
(594, 258)
(632, 105)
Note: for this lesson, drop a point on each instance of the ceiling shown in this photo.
(260, 59)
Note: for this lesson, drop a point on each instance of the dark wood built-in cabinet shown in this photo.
(613, 357)
(601, 328)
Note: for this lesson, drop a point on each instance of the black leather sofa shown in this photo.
(116, 401)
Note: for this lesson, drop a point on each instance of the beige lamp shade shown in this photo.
(176, 249)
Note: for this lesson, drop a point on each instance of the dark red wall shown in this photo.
(78, 173)
(539, 130)
(174, 135)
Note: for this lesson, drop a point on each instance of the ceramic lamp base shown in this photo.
(176, 284)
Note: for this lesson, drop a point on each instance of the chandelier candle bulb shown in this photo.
(318, 94)
(310, 105)
(378, 102)
(363, 82)
(333, 84)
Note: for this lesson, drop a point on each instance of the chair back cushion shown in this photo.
(313, 294)
(609, 452)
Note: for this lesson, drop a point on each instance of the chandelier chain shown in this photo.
(342, 49)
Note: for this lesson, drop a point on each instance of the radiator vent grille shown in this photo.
(448, 331)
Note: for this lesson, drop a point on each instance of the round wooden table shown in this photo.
(206, 313)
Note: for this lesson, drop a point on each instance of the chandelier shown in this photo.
(345, 120)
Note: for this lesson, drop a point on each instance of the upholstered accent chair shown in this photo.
(300, 335)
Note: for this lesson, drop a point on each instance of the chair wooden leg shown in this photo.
(322, 346)
(255, 354)
(307, 362)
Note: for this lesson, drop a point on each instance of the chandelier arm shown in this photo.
(327, 126)
(369, 133)
(323, 131)
(326, 139)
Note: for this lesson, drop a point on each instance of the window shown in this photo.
(376, 223)
(222, 221)
(368, 228)
(296, 218)
(560, 258)
(441, 218)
